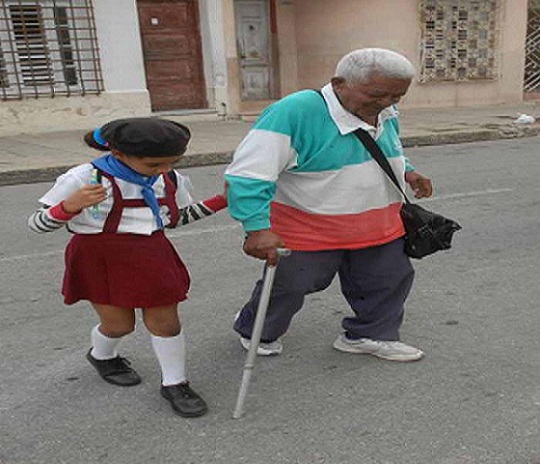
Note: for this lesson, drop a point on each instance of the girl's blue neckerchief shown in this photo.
(113, 166)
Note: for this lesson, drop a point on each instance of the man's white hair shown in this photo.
(360, 65)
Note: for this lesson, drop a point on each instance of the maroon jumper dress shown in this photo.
(123, 269)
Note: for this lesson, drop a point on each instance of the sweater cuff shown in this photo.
(252, 225)
(57, 212)
(216, 203)
(408, 166)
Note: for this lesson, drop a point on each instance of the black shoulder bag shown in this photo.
(425, 232)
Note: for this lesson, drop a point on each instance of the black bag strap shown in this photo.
(369, 142)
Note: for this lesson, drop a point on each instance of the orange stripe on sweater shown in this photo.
(311, 232)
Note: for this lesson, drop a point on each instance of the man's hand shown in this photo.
(421, 185)
(88, 195)
(262, 244)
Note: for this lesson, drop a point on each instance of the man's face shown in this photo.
(367, 99)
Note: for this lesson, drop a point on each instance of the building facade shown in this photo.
(77, 63)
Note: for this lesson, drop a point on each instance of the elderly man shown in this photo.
(301, 179)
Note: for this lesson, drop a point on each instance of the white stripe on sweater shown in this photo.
(352, 189)
(263, 155)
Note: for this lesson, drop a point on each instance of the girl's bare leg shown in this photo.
(162, 321)
(115, 321)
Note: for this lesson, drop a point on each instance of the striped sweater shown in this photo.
(303, 173)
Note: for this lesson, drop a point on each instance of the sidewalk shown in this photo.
(29, 158)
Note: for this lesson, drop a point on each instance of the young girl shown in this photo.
(119, 258)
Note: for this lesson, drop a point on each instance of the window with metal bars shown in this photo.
(48, 48)
(3, 73)
(459, 39)
(532, 48)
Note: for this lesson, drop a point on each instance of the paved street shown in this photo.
(475, 398)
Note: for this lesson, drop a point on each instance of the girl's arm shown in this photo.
(201, 210)
(47, 219)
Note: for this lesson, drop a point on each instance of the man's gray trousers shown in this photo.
(375, 281)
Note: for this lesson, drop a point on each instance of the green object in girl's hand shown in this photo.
(94, 180)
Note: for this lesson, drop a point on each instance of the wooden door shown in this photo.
(253, 39)
(172, 53)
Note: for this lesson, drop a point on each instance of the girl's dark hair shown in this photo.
(91, 142)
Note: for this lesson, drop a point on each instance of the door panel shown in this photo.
(172, 53)
(252, 33)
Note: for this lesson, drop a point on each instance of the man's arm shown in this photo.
(249, 202)
(420, 184)
(251, 177)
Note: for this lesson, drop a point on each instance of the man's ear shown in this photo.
(337, 83)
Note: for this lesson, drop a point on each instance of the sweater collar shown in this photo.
(348, 122)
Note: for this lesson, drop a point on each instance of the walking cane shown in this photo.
(256, 334)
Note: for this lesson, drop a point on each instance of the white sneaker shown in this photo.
(392, 351)
(264, 349)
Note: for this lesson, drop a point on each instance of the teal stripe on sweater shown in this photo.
(249, 201)
(304, 117)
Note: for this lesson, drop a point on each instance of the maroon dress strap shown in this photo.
(115, 214)
(170, 201)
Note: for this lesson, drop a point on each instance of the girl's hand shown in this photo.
(88, 195)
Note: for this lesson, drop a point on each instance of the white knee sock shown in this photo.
(103, 347)
(171, 354)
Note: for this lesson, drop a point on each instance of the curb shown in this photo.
(31, 176)
(448, 138)
(482, 135)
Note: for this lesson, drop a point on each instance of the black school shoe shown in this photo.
(115, 371)
(184, 401)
